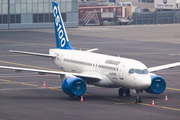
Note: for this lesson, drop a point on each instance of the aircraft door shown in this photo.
(121, 72)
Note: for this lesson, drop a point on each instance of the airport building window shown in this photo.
(23, 8)
(4, 9)
(34, 1)
(18, 9)
(0, 19)
(12, 18)
(5, 20)
(51, 17)
(46, 17)
(34, 8)
(29, 8)
(46, 8)
(35, 18)
(12, 8)
(18, 18)
(40, 10)
(18, 1)
(29, 1)
(23, 1)
(4, 1)
(63, 7)
(40, 18)
(69, 7)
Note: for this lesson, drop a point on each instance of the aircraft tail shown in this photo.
(62, 40)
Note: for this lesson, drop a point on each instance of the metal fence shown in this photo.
(157, 17)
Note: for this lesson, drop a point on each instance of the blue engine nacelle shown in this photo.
(158, 85)
(74, 86)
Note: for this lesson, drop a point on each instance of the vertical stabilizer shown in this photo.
(62, 40)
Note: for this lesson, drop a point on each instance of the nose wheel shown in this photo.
(123, 91)
(138, 98)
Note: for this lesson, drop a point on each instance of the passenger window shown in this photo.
(131, 71)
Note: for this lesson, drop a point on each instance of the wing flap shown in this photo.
(162, 67)
(31, 53)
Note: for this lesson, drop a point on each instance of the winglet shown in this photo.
(62, 40)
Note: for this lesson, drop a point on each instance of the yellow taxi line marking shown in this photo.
(142, 53)
(17, 82)
(113, 99)
(175, 109)
(13, 55)
(54, 88)
(88, 94)
(29, 66)
(122, 103)
(172, 89)
(27, 84)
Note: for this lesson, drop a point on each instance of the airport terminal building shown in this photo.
(18, 14)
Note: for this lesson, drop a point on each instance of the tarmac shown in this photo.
(22, 95)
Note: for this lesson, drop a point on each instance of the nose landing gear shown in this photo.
(138, 98)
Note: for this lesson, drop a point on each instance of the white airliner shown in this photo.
(85, 67)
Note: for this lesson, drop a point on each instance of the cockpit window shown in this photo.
(145, 71)
(138, 71)
(131, 71)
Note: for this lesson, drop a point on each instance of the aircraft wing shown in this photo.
(162, 67)
(85, 77)
(31, 53)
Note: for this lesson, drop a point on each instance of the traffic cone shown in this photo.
(153, 103)
(166, 99)
(82, 98)
(44, 85)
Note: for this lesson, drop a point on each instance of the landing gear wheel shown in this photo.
(127, 92)
(137, 100)
(121, 92)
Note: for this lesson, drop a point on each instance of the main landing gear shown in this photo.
(123, 91)
(126, 91)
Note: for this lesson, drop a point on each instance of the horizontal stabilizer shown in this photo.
(91, 50)
(31, 53)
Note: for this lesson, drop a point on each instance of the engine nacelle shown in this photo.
(158, 85)
(74, 86)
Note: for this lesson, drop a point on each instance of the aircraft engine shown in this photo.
(74, 86)
(158, 85)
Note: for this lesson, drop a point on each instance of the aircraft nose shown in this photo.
(143, 82)
(147, 82)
